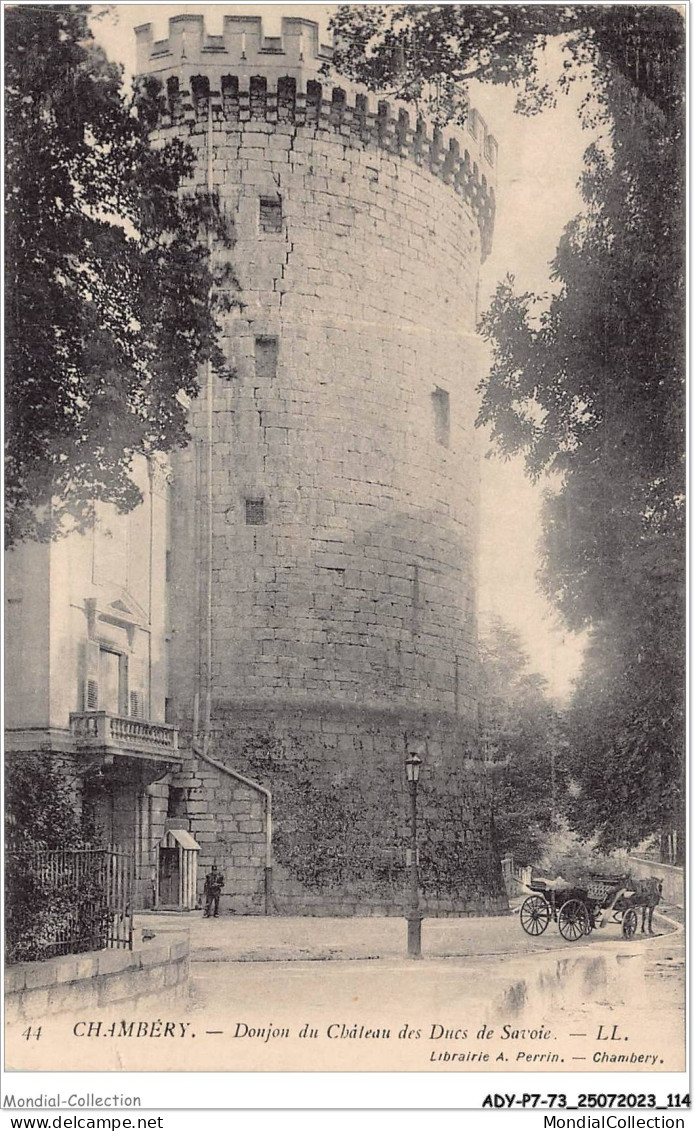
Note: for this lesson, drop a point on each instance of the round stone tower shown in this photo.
(323, 551)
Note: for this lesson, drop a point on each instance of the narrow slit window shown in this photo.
(200, 93)
(255, 512)
(270, 214)
(440, 401)
(266, 354)
(173, 95)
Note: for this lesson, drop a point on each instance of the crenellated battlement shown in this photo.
(242, 44)
(218, 76)
(245, 54)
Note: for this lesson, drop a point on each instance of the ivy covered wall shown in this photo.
(341, 813)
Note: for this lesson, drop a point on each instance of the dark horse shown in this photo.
(647, 894)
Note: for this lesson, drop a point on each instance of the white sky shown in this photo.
(540, 161)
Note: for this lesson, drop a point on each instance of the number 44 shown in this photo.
(32, 1034)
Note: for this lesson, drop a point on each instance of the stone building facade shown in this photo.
(86, 670)
(324, 520)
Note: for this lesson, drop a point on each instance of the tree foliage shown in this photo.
(428, 54)
(592, 388)
(47, 902)
(589, 388)
(40, 807)
(108, 284)
(522, 744)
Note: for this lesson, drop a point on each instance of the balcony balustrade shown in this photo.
(97, 730)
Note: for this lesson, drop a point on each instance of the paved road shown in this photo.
(549, 1006)
(551, 994)
(257, 938)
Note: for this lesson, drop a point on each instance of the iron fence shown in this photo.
(68, 901)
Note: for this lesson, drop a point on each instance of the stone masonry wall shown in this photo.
(341, 811)
(344, 469)
(98, 980)
(228, 820)
(358, 584)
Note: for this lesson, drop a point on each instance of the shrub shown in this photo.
(55, 909)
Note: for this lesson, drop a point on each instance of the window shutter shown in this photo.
(90, 676)
(135, 705)
(91, 695)
(124, 685)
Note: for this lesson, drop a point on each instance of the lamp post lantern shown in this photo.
(413, 764)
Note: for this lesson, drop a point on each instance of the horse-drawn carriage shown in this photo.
(577, 909)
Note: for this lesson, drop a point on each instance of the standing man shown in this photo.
(214, 882)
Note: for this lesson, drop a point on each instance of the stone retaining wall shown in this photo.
(672, 877)
(96, 980)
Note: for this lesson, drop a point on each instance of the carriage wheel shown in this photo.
(629, 923)
(535, 915)
(574, 920)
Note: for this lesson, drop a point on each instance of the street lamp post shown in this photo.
(414, 916)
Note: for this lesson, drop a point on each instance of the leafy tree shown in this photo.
(428, 54)
(521, 742)
(108, 285)
(590, 388)
(626, 728)
(39, 805)
(45, 904)
(575, 860)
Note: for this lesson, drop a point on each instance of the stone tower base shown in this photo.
(340, 813)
